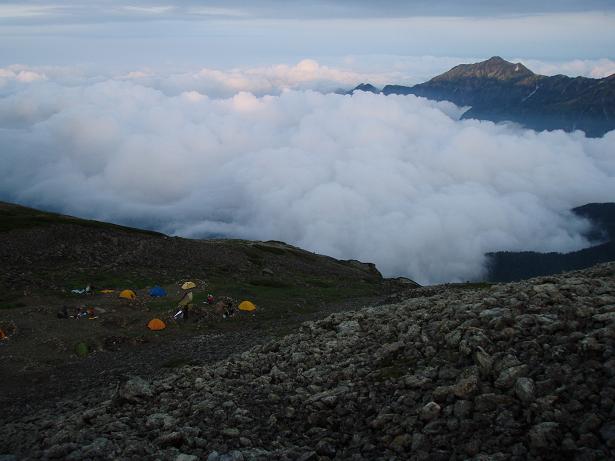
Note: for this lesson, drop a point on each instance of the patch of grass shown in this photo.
(320, 283)
(162, 305)
(18, 217)
(293, 296)
(116, 281)
(303, 255)
(12, 305)
(272, 283)
(269, 249)
(11, 300)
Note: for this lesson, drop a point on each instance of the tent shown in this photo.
(2, 335)
(247, 306)
(156, 325)
(157, 292)
(128, 294)
(188, 285)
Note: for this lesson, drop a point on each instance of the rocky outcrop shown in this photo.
(512, 372)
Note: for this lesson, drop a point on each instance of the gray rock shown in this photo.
(135, 390)
(401, 442)
(348, 327)
(430, 411)
(462, 408)
(607, 432)
(325, 448)
(245, 442)
(171, 439)
(483, 360)
(185, 457)
(525, 389)
(160, 420)
(230, 432)
(509, 376)
(544, 435)
(467, 384)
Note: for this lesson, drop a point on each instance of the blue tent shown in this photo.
(157, 292)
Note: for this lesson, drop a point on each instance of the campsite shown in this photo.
(78, 296)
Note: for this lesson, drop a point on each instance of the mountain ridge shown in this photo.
(499, 91)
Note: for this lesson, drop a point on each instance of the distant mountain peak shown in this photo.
(494, 68)
(367, 87)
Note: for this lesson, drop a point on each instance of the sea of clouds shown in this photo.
(396, 180)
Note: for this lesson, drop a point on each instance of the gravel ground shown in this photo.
(513, 372)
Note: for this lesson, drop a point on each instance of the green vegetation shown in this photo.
(269, 249)
(113, 280)
(12, 305)
(17, 217)
(274, 297)
(11, 300)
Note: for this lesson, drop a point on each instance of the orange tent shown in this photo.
(2, 335)
(156, 325)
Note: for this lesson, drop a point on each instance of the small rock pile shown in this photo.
(513, 372)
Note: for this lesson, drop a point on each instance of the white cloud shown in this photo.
(396, 180)
(160, 9)
(594, 68)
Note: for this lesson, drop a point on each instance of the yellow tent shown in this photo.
(128, 294)
(156, 325)
(188, 285)
(247, 306)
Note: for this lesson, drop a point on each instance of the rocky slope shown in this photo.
(499, 90)
(511, 372)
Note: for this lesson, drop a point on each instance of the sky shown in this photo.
(235, 33)
(203, 119)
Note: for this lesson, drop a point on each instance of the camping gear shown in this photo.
(106, 292)
(210, 299)
(128, 294)
(156, 325)
(247, 306)
(186, 299)
(188, 285)
(157, 292)
(82, 291)
(82, 350)
(179, 315)
(3, 336)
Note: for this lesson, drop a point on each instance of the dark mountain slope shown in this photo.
(506, 266)
(367, 87)
(499, 90)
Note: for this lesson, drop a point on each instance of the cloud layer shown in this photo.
(396, 180)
